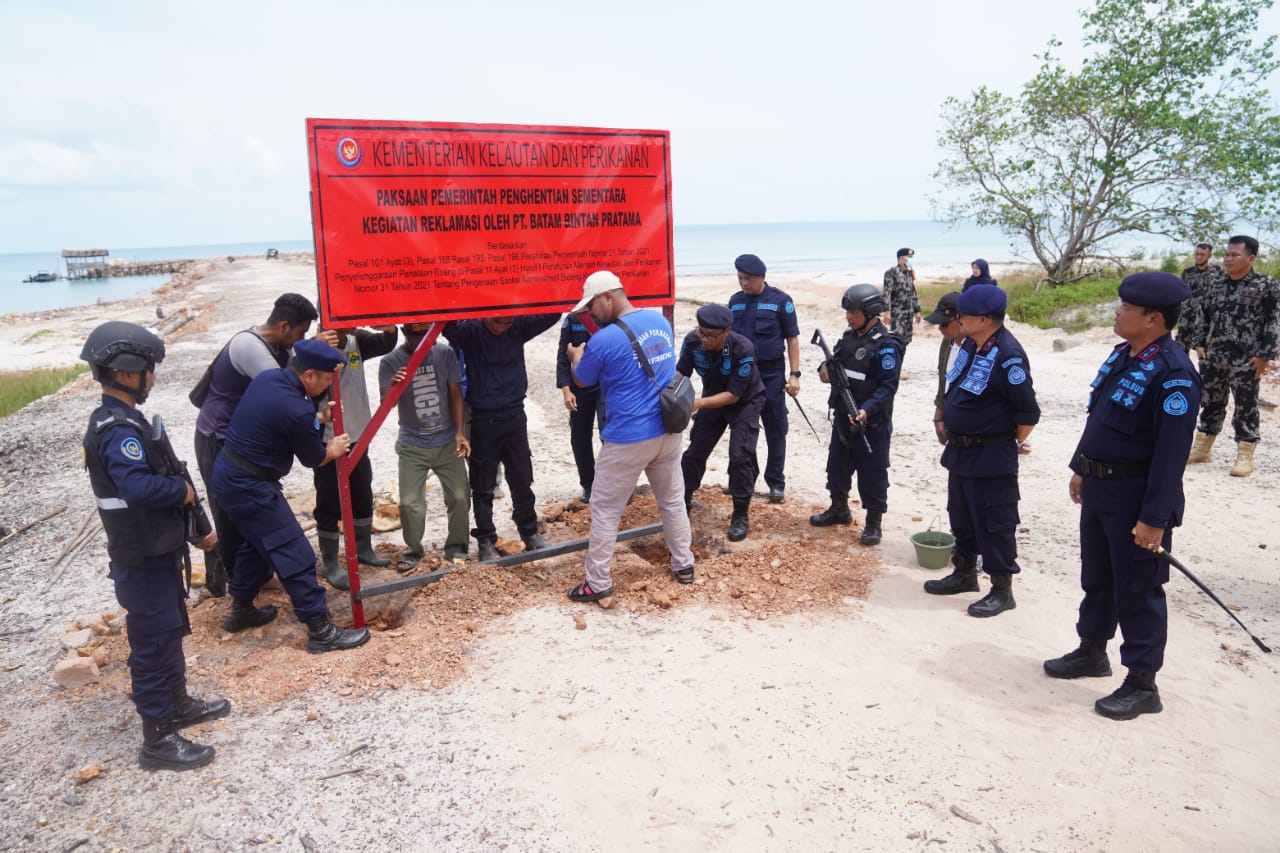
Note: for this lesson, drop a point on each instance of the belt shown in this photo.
(248, 467)
(1110, 470)
(978, 440)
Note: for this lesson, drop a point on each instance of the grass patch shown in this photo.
(38, 334)
(19, 389)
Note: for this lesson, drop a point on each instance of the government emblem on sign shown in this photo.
(349, 152)
(1176, 404)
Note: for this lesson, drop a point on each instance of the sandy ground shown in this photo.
(805, 695)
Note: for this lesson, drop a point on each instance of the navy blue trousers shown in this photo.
(589, 416)
(872, 468)
(773, 418)
(984, 518)
(1123, 586)
(744, 434)
(153, 596)
(273, 541)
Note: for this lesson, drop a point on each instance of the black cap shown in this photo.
(906, 252)
(948, 309)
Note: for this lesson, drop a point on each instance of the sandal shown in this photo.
(583, 592)
(406, 562)
(684, 575)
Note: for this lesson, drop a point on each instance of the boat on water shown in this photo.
(43, 275)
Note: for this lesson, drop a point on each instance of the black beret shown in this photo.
(1153, 289)
(910, 253)
(714, 317)
(749, 264)
(315, 354)
(982, 299)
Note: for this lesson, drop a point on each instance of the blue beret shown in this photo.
(1153, 289)
(714, 317)
(981, 299)
(315, 354)
(749, 264)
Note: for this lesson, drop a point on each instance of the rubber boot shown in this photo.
(333, 571)
(1137, 695)
(324, 636)
(998, 600)
(364, 545)
(871, 528)
(739, 523)
(1088, 661)
(164, 749)
(188, 710)
(963, 578)
(486, 550)
(837, 513)
(1201, 449)
(244, 615)
(1244, 459)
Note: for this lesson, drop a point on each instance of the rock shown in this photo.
(76, 639)
(917, 518)
(661, 599)
(639, 586)
(75, 672)
(85, 774)
(312, 716)
(608, 603)
(101, 657)
(580, 621)
(393, 659)
(72, 800)
(552, 511)
(1064, 344)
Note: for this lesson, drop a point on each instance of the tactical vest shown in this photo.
(859, 356)
(133, 533)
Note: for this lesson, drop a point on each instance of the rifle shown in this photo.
(839, 381)
(195, 519)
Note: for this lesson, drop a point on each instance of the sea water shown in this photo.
(788, 247)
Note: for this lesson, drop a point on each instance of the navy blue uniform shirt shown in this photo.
(276, 421)
(496, 379)
(572, 331)
(991, 394)
(731, 368)
(767, 319)
(1142, 410)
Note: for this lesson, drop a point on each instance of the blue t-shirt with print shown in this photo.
(630, 396)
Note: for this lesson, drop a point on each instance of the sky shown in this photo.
(176, 123)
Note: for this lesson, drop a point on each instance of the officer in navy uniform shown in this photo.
(275, 421)
(140, 502)
(871, 358)
(767, 317)
(733, 396)
(585, 405)
(1127, 479)
(989, 411)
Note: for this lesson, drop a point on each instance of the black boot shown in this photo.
(871, 529)
(837, 513)
(328, 637)
(963, 578)
(485, 550)
(188, 710)
(364, 546)
(333, 571)
(164, 749)
(244, 615)
(1088, 661)
(998, 600)
(534, 542)
(739, 524)
(1137, 695)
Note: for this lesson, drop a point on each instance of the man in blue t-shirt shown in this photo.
(633, 439)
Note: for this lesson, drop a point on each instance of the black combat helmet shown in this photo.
(122, 346)
(865, 298)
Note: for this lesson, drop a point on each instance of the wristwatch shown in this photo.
(796, 373)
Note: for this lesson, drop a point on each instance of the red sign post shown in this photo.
(419, 221)
(429, 222)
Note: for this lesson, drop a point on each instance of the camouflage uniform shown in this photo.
(904, 305)
(1238, 322)
(1199, 280)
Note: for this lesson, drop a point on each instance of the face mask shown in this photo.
(910, 263)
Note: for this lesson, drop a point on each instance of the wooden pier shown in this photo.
(92, 263)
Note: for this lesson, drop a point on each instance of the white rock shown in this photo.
(75, 672)
(77, 639)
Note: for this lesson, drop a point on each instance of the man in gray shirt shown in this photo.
(431, 439)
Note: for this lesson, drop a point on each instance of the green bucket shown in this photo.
(933, 548)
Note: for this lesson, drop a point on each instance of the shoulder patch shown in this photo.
(131, 448)
(1178, 383)
(888, 362)
(1017, 376)
(744, 369)
(790, 308)
(1011, 362)
(1176, 404)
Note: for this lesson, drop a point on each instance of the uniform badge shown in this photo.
(790, 309)
(1176, 404)
(353, 361)
(745, 370)
(860, 353)
(131, 448)
(887, 362)
(1017, 375)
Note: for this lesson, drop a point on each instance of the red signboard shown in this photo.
(419, 221)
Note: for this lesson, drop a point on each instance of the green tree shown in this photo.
(1165, 129)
